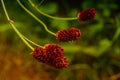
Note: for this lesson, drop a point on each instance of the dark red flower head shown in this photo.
(39, 54)
(68, 35)
(53, 50)
(87, 14)
(59, 62)
(51, 54)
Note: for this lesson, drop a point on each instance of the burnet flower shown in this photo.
(51, 54)
(70, 34)
(87, 14)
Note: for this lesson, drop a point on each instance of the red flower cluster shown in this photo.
(68, 35)
(52, 55)
(87, 14)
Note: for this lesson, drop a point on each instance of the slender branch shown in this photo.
(35, 18)
(13, 26)
(52, 17)
(32, 42)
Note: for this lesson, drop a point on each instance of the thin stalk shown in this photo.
(13, 26)
(32, 42)
(40, 21)
(52, 17)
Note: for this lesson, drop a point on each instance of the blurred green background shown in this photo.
(95, 56)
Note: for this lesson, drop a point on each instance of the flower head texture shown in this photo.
(68, 35)
(87, 14)
(59, 62)
(51, 54)
(53, 50)
(39, 54)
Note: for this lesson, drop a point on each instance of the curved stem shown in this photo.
(32, 42)
(52, 17)
(35, 18)
(13, 26)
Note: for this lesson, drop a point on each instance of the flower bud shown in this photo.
(51, 54)
(87, 14)
(68, 35)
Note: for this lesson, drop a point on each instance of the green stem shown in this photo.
(13, 26)
(52, 17)
(35, 18)
(32, 42)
